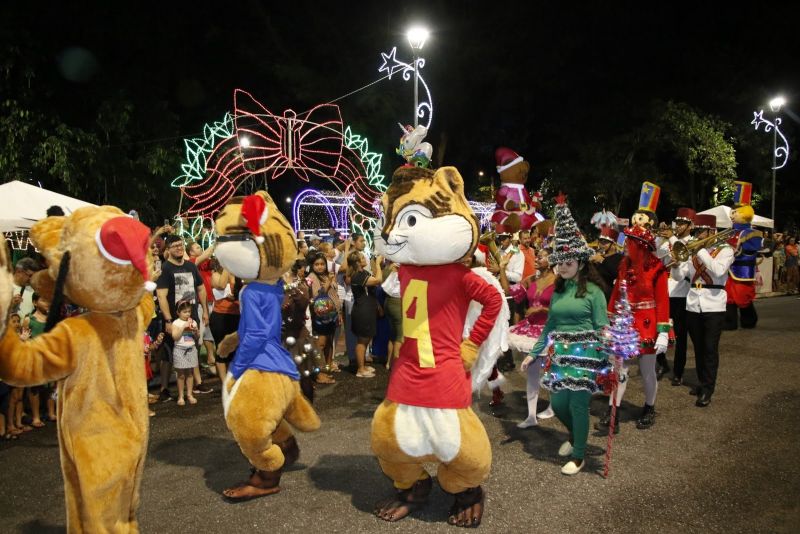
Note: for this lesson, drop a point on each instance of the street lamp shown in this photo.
(775, 105)
(417, 36)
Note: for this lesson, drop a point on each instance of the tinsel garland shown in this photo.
(583, 336)
(574, 384)
(584, 364)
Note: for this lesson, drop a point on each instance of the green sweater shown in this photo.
(571, 314)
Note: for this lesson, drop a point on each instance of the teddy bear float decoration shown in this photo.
(515, 210)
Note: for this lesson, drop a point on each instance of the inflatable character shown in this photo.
(747, 242)
(514, 209)
(430, 231)
(262, 391)
(99, 258)
(412, 149)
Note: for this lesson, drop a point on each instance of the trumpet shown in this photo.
(681, 252)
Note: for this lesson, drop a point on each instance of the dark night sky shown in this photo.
(540, 77)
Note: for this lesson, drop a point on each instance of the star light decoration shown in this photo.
(391, 65)
(253, 146)
(781, 152)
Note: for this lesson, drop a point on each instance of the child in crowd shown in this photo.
(14, 410)
(149, 347)
(185, 358)
(36, 322)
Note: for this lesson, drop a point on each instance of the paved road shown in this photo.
(729, 468)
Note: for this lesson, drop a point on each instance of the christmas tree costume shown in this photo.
(747, 242)
(646, 280)
(572, 326)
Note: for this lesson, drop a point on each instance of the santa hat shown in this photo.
(255, 212)
(481, 253)
(642, 235)
(506, 158)
(125, 241)
(569, 241)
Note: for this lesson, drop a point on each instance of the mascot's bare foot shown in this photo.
(260, 484)
(405, 502)
(467, 509)
(291, 452)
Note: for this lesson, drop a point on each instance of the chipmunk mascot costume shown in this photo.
(98, 258)
(262, 390)
(430, 231)
(747, 242)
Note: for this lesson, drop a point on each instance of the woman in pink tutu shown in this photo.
(523, 335)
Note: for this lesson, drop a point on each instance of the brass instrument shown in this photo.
(488, 239)
(681, 252)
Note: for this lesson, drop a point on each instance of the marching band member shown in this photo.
(677, 292)
(707, 272)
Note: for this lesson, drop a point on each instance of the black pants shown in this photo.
(705, 330)
(677, 312)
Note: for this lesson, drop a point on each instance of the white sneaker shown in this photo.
(572, 468)
(546, 414)
(527, 423)
(565, 449)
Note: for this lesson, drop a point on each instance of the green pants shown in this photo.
(572, 409)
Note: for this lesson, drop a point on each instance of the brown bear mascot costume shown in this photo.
(426, 416)
(99, 258)
(262, 389)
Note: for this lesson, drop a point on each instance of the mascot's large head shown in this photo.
(427, 218)
(255, 241)
(98, 257)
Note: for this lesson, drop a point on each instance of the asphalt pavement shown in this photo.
(731, 467)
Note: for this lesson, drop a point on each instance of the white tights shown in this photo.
(532, 388)
(647, 366)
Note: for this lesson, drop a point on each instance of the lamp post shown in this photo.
(416, 38)
(775, 105)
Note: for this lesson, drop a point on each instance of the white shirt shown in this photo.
(515, 265)
(700, 300)
(676, 288)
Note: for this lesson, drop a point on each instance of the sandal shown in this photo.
(467, 509)
(323, 378)
(365, 375)
(181, 402)
(10, 436)
(39, 425)
(192, 400)
(26, 428)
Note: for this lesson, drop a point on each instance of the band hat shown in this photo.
(705, 220)
(609, 234)
(685, 214)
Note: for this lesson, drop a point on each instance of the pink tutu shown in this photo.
(523, 335)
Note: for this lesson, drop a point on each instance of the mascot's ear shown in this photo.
(44, 284)
(46, 236)
(449, 179)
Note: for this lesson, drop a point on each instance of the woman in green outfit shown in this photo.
(577, 313)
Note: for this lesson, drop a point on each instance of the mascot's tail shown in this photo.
(497, 342)
(301, 415)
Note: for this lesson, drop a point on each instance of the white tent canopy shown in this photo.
(23, 204)
(723, 215)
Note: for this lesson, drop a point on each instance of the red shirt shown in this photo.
(205, 274)
(435, 299)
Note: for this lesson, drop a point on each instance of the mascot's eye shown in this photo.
(411, 220)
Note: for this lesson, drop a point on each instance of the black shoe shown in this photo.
(164, 396)
(202, 389)
(648, 417)
(605, 422)
(661, 370)
(677, 381)
(703, 400)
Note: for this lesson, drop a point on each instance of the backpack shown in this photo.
(323, 309)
